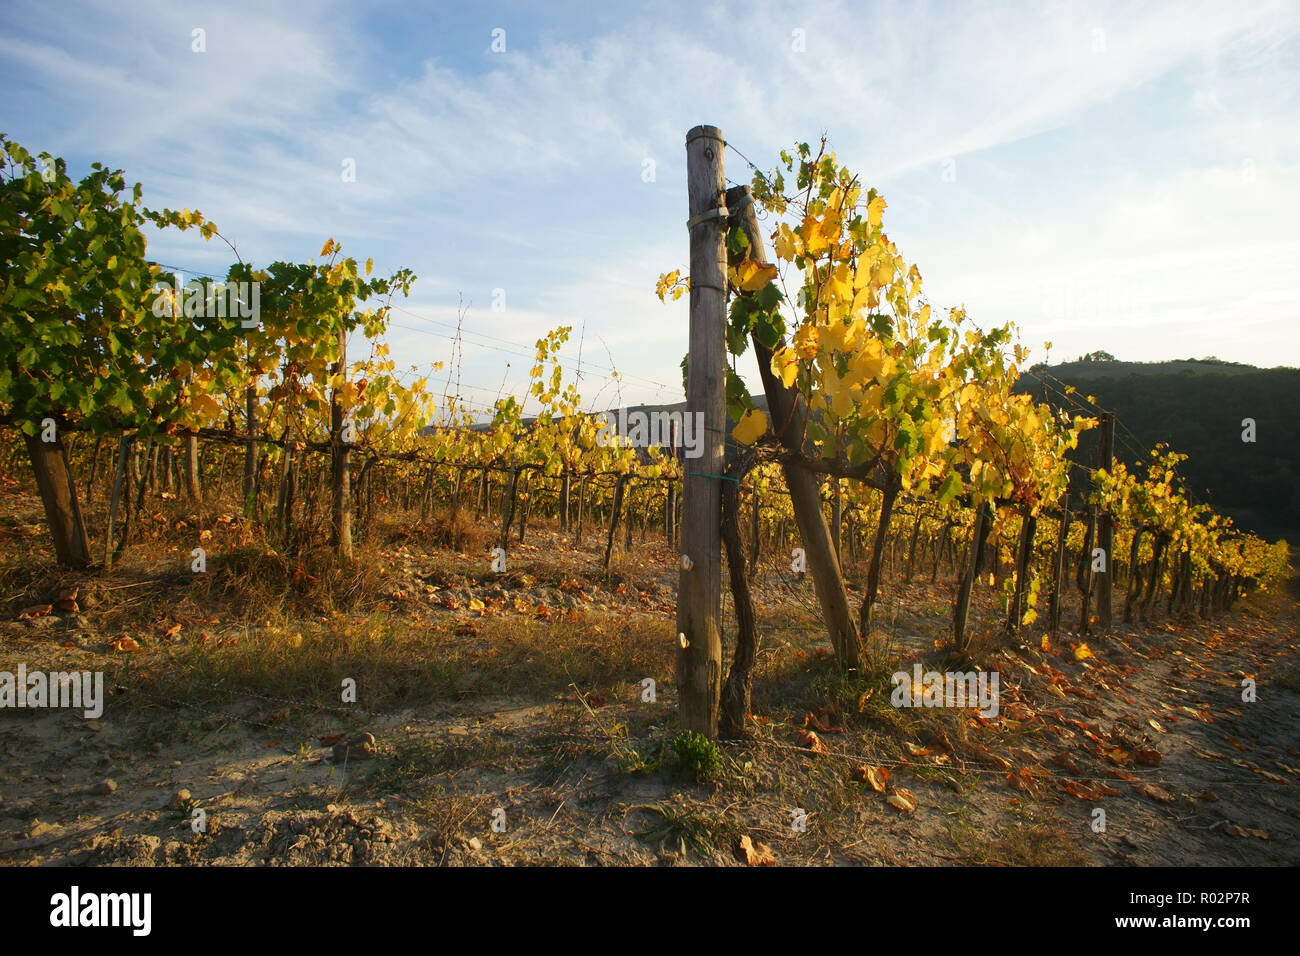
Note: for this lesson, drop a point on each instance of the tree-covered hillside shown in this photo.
(1197, 407)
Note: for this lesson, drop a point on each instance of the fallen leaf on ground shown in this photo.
(1235, 830)
(874, 777)
(1155, 792)
(903, 801)
(810, 740)
(822, 720)
(1022, 779)
(756, 854)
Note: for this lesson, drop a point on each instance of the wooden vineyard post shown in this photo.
(911, 546)
(1134, 573)
(1106, 528)
(983, 518)
(582, 508)
(564, 500)
(888, 495)
(123, 449)
(193, 487)
(508, 508)
(1086, 578)
(699, 594)
(426, 495)
(620, 488)
(527, 496)
(1058, 565)
(1024, 556)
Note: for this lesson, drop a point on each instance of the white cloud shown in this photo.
(1078, 169)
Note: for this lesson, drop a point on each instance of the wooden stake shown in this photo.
(699, 595)
(1105, 528)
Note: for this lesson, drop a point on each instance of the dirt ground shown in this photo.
(505, 759)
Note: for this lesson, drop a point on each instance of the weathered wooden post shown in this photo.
(699, 594)
(1105, 528)
(961, 608)
(123, 450)
(1058, 565)
(1087, 577)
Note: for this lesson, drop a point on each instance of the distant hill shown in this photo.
(1086, 368)
(1197, 407)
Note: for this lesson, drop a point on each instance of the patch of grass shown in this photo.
(447, 529)
(1017, 844)
(698, 756)
(684, 827)
(629, 758)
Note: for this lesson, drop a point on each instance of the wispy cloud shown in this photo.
(1098, 173)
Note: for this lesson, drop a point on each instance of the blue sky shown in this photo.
(1107, 176)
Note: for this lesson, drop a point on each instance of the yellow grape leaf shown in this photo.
(839, 285)
(787, 243)
(882, 272)
(751, 427)
(869, 361)
(814, 241)
(874, 210)
(206, 406)
(785, 366)
(751, 276)
(1081, 652)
